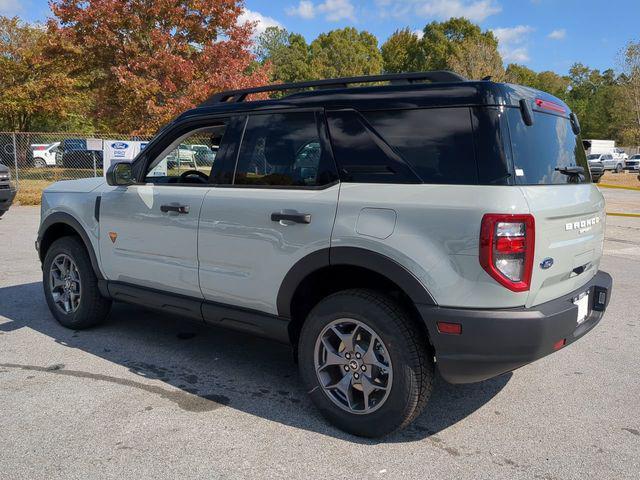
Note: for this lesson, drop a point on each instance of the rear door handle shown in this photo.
(175, 208)
(291, 217)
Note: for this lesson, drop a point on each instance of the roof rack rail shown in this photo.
(436, 76)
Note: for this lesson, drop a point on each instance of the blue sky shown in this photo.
(542, 34)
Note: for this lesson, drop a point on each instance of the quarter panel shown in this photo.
(436, 236)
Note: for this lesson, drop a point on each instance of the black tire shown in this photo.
(93, 308)
(619, 168)
(39, 163)
(407, 347)
(596, 179)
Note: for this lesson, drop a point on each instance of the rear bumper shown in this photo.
(498, 341)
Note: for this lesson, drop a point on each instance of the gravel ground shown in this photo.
(152, 396)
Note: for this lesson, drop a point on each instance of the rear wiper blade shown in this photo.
(575, 170)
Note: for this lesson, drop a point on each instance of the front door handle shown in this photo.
(291, 217)
(174, 208)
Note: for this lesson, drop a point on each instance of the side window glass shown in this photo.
(283, 150)
(362, 155)
(437, 143)
(191, 158)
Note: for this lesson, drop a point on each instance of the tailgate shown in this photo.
(569, 228)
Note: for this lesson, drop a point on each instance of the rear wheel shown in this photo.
(71, 286)
(364, 362)
(39, 163)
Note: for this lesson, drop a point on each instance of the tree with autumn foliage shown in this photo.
(149, 60)
(37, 88)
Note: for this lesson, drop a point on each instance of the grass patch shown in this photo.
(624, 179)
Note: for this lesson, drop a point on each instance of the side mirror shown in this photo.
(120, 174)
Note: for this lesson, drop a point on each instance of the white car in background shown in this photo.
(44, 155)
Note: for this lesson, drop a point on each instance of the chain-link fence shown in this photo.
(39, 159)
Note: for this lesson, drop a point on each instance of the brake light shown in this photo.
(547, 105)
(40, 148)
(506, 249)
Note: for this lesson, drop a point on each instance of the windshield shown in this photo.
(547, 152)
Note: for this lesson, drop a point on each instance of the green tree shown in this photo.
(591, 96)
(37, 88)
(346, 52)
(521, 75)
(461, 45)
(628, 119)
(402, 52)
(553, 83)
(288, 54)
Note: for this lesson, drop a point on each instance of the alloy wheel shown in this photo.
(64, 283)
(353, 366)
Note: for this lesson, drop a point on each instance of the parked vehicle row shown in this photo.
(74, 153)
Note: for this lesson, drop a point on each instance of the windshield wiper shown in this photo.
(574, 170)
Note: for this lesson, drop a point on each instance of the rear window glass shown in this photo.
(545, 152)
(437, 143)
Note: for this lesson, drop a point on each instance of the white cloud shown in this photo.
(512, 43)
(305, 9)
(558, 34)
(475, 10)
(333, 10)
(418, 33)
(262, 22)
(10, 7)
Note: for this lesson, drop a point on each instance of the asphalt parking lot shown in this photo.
(152, 396)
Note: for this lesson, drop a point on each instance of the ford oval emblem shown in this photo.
(119, 146)
(546, 263)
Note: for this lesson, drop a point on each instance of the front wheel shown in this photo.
(619, 168)
(366, 365)
(71, 286)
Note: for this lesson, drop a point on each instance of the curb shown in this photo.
(614, 214)
(620, 187)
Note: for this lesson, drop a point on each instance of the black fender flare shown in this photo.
(70, 221)
(350, 256)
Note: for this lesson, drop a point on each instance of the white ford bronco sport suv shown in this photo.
(385, 231)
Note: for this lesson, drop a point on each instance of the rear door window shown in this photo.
(437, 143)
(545, 152)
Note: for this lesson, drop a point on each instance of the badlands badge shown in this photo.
(113, 236)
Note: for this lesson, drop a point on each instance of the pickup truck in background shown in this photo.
(633, 163)
(615, 157)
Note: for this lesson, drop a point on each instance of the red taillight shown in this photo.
(511, 244)
(40, 148)
(506, 249)
(547, 105)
